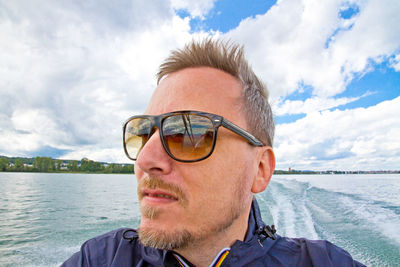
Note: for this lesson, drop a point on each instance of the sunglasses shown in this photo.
(187, 136)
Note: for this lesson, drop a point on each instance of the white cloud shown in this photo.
(395, 62)
(37, 122)
(307, 42)
(142, 52)
(196, 8)
(362, 138)
(110, 155)
(73, 71)
(311, 105)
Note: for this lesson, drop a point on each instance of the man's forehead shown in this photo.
(202, 88)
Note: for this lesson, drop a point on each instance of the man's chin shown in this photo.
(168, 239)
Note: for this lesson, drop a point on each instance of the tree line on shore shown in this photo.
(48, 164)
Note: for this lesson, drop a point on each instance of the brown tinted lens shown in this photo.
(188, 136)
(136, 134)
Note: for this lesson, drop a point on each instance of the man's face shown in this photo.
(185, 203)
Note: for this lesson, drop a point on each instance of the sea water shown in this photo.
(44, 218)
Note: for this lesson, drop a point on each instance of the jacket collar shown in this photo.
(255, 221)
(256, 243)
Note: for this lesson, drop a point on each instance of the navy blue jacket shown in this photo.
(115, 249)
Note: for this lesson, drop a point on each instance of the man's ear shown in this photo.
(266, 167)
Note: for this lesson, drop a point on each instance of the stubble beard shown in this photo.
(182, 238)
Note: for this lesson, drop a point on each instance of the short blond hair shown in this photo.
(229, 58)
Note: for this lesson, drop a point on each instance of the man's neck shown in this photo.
(202, 253)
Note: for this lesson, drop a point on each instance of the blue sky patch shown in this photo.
(288, 118)
(381, 84)
(227, 15)
(349, 12)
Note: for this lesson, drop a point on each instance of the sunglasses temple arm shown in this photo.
(236, 129)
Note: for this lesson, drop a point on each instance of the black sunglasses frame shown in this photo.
(217, 121)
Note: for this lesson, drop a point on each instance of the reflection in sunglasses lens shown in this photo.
(188, 136)
(137, 133)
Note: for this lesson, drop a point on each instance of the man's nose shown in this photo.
(153, 159)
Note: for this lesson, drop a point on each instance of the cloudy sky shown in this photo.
(72, 71)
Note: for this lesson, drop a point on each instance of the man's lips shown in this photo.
(155, 194)
(155, 191)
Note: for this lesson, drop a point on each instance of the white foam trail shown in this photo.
(383, 220)
(290, 212)
(308, 219)
(286, 211)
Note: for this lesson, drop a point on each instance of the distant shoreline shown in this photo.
(85, 165)
(50, 165)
